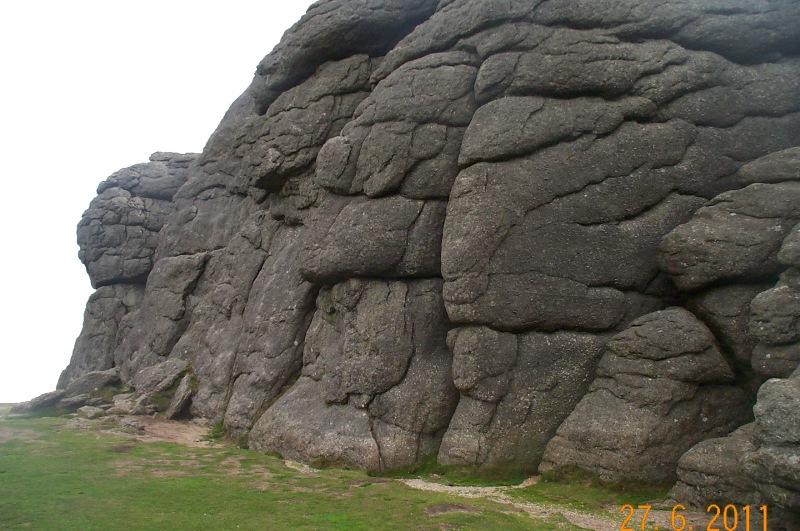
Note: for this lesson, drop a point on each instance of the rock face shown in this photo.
(515, 391)
(432, 227)
(660, 389)
(118, 236)
(376, 389)
(757, 464)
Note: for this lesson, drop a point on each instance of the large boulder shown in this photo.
(755, 465)
(662, 386)
(735, 237)
(376, 389)
(118, 234)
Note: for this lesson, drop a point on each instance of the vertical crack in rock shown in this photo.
(515, 391)
(375, 360)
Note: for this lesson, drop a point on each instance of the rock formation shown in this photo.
(488, 231)
(662, 386)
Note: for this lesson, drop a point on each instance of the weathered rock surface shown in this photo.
(93, 381)
(775, 317)
(757, 464)
(43, 401)
(735, 237)
(387, 238)
(95, 349)
(525, 179)
(181, 399)
(375, 361)
(726, 311)
(660, 388)
(91, 412)
(118, 234)
(775, 314)
(774, 168)
(515, 391)
(776, 361)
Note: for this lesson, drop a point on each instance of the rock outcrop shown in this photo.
(757, 464)
(118, 236)
(662, 386)
(376, 388)
(453, 228)
(515, 391)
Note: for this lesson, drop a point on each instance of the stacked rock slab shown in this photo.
(660, 389)
(775, 316)
(416, 231)
(757, 464)
(118, 236)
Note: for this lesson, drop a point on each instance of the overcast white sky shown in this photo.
(86, 88)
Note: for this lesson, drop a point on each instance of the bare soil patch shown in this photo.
(122, 448)
(300, 467)
(168, 473)
(126, 468)
(149, 429)
(356, 483)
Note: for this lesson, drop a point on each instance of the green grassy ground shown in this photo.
(578, 490)
(56, 477)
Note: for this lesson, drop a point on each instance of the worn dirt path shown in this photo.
(9, 434)
(500, 495)
(656, 517)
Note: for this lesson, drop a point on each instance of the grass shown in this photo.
(217, 432)
(57, 477)
(54, 477)
(583, 491)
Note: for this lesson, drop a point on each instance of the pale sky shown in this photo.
(87, 88)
